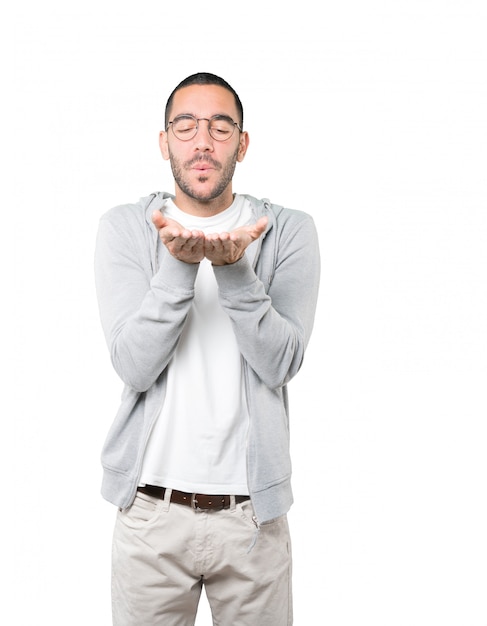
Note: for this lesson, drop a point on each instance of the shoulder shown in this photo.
(279, 214)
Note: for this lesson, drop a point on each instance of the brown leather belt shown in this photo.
(194, 500)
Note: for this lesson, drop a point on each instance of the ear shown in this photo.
(163, 145)
(243, 145)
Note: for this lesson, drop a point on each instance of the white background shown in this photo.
(371, 116)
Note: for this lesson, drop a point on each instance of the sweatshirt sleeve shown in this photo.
(273, 328)
(142, 315)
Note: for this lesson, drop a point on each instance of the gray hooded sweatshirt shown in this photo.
(144, 296)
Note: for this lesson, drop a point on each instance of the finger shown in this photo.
(217, 236)
(214, 244)
(158, 220)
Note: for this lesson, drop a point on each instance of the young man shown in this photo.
(207, 300)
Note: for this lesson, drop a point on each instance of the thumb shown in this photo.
(260, 225)
(158, 220)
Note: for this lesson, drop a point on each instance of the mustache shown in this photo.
(203, 159)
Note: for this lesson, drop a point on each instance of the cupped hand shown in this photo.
(227, 248)
(185, 245)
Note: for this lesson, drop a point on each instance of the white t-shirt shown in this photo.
(198, 443)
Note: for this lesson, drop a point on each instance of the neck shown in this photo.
(200, 207)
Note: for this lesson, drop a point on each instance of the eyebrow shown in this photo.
(221, 116)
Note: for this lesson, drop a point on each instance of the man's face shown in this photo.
(202, 167)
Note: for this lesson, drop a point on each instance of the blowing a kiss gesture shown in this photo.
(191, 246)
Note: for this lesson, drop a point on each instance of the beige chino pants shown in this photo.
(163, 554)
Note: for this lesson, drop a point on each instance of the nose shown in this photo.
(203, 140)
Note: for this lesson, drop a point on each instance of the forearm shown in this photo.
(142, 346)
(272, 328)
(142, 316)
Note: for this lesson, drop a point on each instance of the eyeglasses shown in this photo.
(220, 127)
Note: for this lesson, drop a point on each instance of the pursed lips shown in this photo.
(203, 165)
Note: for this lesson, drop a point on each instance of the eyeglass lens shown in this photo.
(185, 127)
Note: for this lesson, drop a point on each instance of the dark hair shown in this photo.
(203, 78)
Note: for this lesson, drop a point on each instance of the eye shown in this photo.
(221, 127)
(184, 125)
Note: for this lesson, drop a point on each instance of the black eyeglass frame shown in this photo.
(203, 119)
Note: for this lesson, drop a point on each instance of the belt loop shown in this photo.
(167, 499)
(233, 504)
